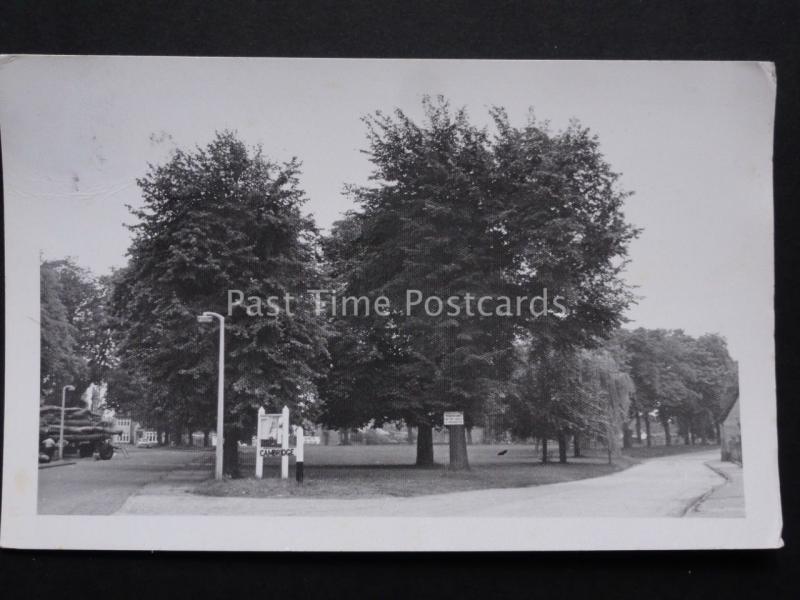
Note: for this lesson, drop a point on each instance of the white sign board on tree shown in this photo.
(454, 418)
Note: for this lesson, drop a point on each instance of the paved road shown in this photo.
(662, 487)
(100, 487)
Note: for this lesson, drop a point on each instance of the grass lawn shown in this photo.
(374, 471)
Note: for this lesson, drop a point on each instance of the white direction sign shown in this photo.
(454, 418)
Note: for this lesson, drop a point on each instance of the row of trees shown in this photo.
(76, 329)
(451, 210)
(681, 379)
(613, 391)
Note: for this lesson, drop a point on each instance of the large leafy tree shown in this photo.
(375, 376)
(559, 208)
(215, 219)
(659, 375)
(423, 226)
(558, 211)
(545, 399)
(453, 211)
(713, 377)
(581, 392)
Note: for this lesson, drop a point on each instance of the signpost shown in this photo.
(273, 429)
(454, 418)
(268, 429)
(458, 444)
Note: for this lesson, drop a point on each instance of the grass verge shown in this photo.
(519, 467)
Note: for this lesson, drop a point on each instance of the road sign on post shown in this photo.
(454, 418)
(268, 435)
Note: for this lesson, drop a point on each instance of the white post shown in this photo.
(285, 443)
(206, 318)
(220, 398)
(61, 426)
(259, 456)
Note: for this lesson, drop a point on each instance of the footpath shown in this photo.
(725, 500)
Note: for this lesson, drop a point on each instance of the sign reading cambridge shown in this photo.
(276, 451)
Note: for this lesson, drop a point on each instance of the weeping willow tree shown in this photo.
(584, 393)
(606, 390)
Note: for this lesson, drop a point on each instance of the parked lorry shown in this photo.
(85, 432)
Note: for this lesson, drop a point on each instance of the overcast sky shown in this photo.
(692, 141)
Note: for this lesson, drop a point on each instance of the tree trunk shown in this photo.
(647, 429)
(544, 450)
(717, 433)
(459, 461)
(562, 447)
(576, 445)
(344, 437)
(424, 445)
(638, 428)
(230, 447)
(469, 436)
(667, 435)
(627, 434)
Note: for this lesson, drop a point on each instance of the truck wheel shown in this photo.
(85, 450)
(106, 451)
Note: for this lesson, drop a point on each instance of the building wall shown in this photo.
(731, 436)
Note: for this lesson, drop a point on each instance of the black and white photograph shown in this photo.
(373, 304)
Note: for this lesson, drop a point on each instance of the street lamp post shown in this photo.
(207, 317)
(64, 391)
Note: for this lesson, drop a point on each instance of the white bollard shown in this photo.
(285, 443)
(259, 435)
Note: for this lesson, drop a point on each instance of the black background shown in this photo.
(700, 30)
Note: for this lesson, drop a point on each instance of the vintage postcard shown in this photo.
(307, 304)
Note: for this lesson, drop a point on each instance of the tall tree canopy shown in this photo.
(216, 219)
(455, 211)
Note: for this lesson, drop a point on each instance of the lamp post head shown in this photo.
(70, 388)
(204, 318)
